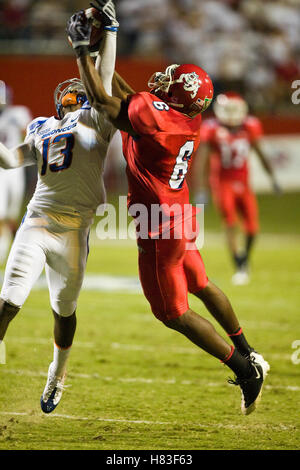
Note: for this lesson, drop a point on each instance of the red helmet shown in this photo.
(187, 88)
(230, 108)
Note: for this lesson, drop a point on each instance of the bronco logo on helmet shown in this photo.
(190, 82)
(187, 88)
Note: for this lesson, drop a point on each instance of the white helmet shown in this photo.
(67, 93)
(230, 109)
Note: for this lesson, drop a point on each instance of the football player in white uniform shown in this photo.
(13, 123)
(69, 151)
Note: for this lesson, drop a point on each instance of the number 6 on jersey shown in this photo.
(181, 165)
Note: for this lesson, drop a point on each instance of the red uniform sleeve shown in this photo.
(254, 128)
(150, 116)
(207, 131)
(144, 117)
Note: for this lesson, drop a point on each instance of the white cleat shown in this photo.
(240, 278)
(258, 358)
(52, 392)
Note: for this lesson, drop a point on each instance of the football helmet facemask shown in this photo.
(230, 109)
(186, 88)
(68, 93)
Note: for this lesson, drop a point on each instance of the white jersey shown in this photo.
(70, 156)
(13, 122)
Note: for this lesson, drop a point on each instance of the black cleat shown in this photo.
(251, 387)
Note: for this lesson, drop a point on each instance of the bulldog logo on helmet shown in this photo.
(191, 82)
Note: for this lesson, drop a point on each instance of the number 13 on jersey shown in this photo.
(181, 165)
(65, 153)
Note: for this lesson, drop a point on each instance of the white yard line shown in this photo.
(211, 239)
(277, 427)
(167, 381)
(29, 340)
(98, 282)
(134, 347)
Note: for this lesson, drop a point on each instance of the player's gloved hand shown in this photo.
(202, 197)
(79, 32)
(108, 14)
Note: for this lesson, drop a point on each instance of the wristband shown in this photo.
(111, 28)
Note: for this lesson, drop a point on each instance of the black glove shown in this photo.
(79, 32)
(108, 14)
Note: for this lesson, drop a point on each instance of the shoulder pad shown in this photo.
(35, 124)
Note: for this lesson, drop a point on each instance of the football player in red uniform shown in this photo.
(161, 131)
(223, 154)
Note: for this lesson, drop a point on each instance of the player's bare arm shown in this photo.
(256, 145)
(120, 87)
(201, 173)
(203, 162)
(79, 30)
(117, 90)
(114, 107)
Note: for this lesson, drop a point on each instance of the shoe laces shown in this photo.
(55, 382)
(242, 380)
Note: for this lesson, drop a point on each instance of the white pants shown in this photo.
(63, 253)
(12, 187)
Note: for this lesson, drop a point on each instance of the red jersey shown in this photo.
(232, 147)
(159, 157)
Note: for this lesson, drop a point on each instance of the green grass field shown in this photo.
(133, 384)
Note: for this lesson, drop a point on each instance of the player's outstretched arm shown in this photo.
(79, 29)
(121, 87)
(17, 157)
(201, 173)
(106, 58)
(267, 166)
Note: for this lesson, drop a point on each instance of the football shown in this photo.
(97, 27)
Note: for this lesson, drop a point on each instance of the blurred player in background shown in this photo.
(160, 132)
(223, 165)
(69, 150)
(13, 123)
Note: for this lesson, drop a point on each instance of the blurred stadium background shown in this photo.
(250, 46)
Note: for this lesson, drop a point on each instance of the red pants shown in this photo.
(167, 273)
(235, 198)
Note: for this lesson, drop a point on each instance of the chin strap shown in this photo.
(161, 81)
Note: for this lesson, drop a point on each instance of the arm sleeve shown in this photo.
(254, 128)
(105, 62)
(105, 65)
(102, 125)
(22, 155)
(26, 153)
(8, 158)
